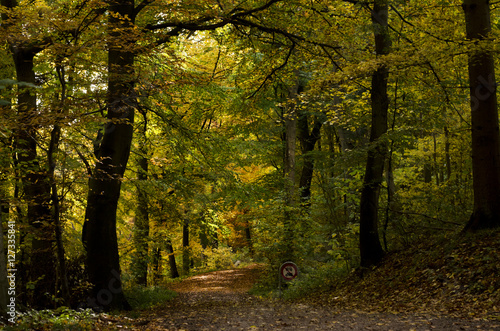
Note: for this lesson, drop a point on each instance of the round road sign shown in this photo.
(289, 270)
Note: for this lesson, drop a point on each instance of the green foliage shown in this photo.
(218, 258)
(61, 318)
(344, 247)
(314, 279)
(148, 297)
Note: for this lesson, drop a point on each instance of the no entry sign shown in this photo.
(289, 270)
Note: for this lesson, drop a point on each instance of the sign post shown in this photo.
(287, 272)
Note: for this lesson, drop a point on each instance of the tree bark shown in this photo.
(55, 136)
(447, 153)
(99, 232)
(186, 256)
(289, 171)
(248, 238)
(36, 187)
(484, 118)
(369, 242)
(56, 214)
(174, 273)
(156, 264)
(4, 284)
(141, 230)
(307, 141)
(5, 173)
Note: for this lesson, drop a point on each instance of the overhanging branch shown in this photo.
(275, 70)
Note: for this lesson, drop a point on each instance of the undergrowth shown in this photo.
(141, 297)
(62, 318)
(313, 277)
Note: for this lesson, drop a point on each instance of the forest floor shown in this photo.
(220, 301)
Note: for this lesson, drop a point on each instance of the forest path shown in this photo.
(219, 301)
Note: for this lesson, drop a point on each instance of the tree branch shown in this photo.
(142, 5)
(274, 71)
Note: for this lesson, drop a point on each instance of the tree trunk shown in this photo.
(141, 230)
(289, 172)
(186, 257)
(484, 118)
(370, 248)
(56, 214)
(4, 284)
(36, 187)
(4, 219)
(156, 264)
(248, 238)
(174, 273)
(55, 136)
(99, 232)
(307, 141)
(447, 153)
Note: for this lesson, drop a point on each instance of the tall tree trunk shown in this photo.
(484, 117)
(369, 242)
(55, 136)
(99, 232)
(289, 171)
(56, 214)
(36, 187)
(141, 226)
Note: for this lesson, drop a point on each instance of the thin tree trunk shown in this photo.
(174, 273)
(99, 232)
(484, 118)
(289, 172)
(141, 225)
(391, 193)
(308, 141)
(370, 248)
(186, 256)
(156, 264)
(248, 238)
(447, 153)
(55, 136)
(56, 214)
(436, 167)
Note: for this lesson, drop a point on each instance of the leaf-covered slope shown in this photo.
(453, 275)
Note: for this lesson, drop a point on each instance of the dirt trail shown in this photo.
(219, 301)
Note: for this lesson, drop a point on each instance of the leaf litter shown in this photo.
(220, 301)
